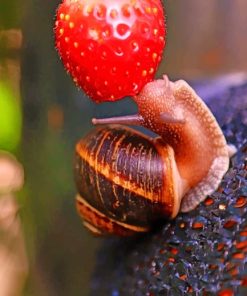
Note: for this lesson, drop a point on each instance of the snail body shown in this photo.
(127, 181)
(200, 148)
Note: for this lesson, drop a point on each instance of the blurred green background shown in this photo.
(43, 114)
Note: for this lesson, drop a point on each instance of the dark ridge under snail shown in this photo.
(127, 181)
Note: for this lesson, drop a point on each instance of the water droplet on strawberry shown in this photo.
(145, 29)
(114, 70)
(135, 86)
(100, 11)
(126, 10)
(123, 30)
(135, 46)
(104, 55)
(113, 13)
(119, 51)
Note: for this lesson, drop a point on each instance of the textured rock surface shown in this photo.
(203, 252)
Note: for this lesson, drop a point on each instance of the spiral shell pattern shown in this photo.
(124, 180)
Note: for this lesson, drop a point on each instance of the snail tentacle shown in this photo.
(169, 118)
(135, 119)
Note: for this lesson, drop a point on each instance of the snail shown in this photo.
(127, 181)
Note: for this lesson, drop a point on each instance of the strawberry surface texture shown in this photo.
(110, 48)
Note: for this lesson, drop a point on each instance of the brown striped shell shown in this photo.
(125, 181)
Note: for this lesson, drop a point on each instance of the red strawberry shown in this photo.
(111, 48)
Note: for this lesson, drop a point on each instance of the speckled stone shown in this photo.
(203, 252)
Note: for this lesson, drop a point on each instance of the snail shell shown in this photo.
(125, 180)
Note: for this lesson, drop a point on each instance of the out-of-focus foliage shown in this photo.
(10, 118)
(10, 13)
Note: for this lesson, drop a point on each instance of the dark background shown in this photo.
(205, 39)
